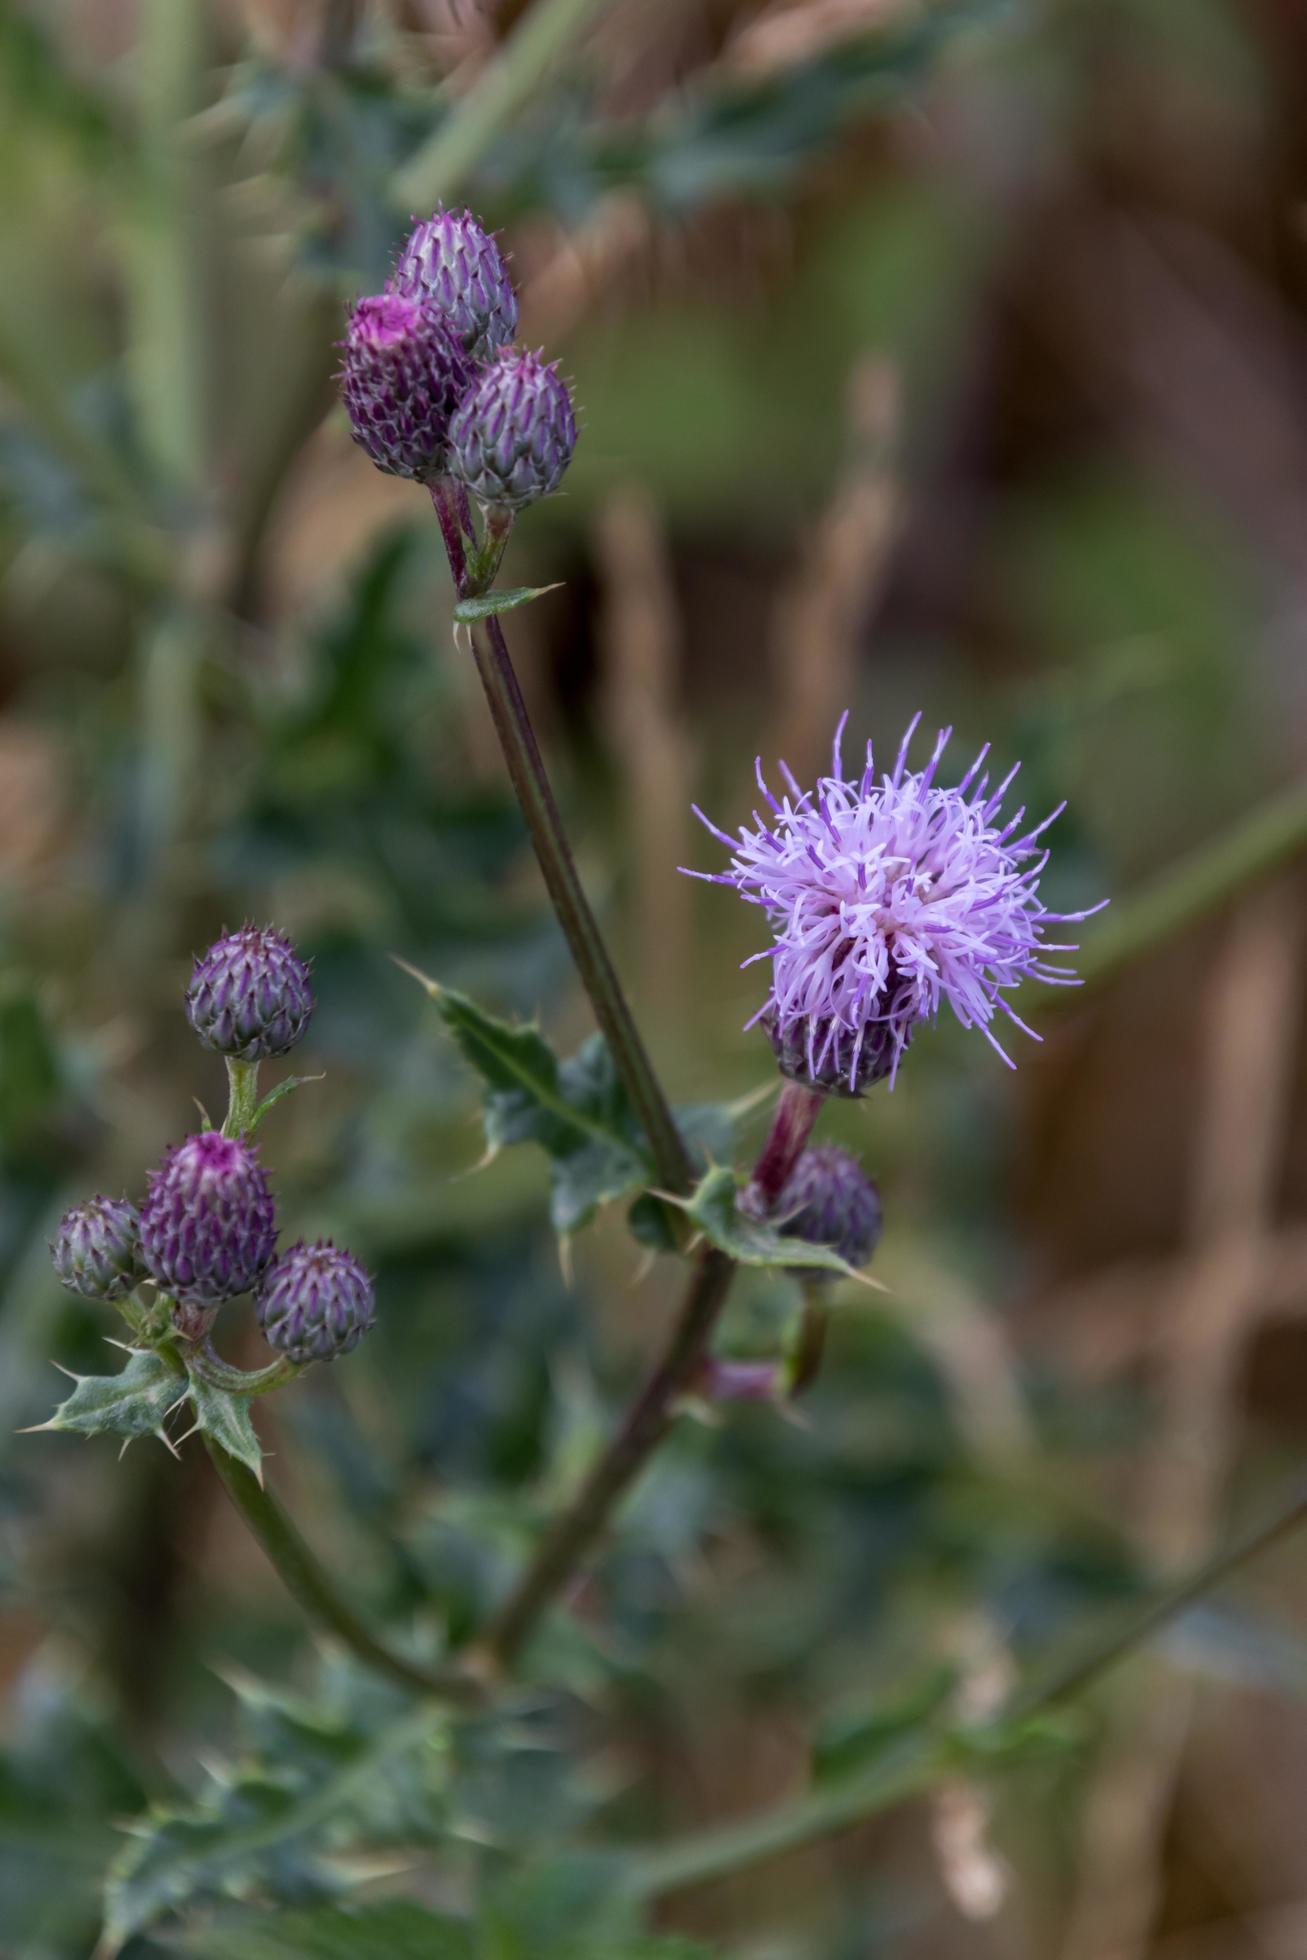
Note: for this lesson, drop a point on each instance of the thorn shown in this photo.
(647, 1261)
(565, 1263)
(35, 1428)
(68, 1371)
(167, 1442)
(433, 987)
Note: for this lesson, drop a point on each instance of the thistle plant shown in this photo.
(885, 895)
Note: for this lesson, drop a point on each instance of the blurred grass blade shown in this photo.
(443, 165)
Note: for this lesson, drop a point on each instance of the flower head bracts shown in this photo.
(886, 896)
(404, 372)
(208, 1224)
(453, 261)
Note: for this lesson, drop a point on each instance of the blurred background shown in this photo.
(942, 355)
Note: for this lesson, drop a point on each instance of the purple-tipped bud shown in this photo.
(512, 435)
(450, 260)
(403, 374)
(830, 1200)
(97, 1249)
(208, 1224)
(249, 995)
(315, 1302)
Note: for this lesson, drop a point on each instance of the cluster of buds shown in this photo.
(207, 1229)
(432, 384)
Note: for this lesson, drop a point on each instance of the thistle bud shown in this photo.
(249, 995)
(830, 1200)
(512, 435)
(403, 373)
(315, 1302)
(208, 1224)
(453, 262)
(97, 1249)
(835, 1060)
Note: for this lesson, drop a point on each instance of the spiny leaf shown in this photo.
(468, 611)
(270, 1827)
(226, 1418)
(713, 1207)
(274, 1096)
(133, 1403)
(576, 1110)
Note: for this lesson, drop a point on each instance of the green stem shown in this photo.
(526, 768)
(897, 1777)
(927, 1758)
(242, 1097)
(309, 1583)
(442, 165)
(572, 1534)
(585, 941)
(209, 1365)
(168, 341)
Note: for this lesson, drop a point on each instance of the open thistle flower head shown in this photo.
(97, 1249)
(512, 436)
(404, 371)
(453, 261)
(208, 1224)
(887, 895)
(829, 1200)
(249, 995)
(315, 1302)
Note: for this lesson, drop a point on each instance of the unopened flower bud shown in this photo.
(836, 1060)
(315, 1302)
(97, 1249)
(249, 995)
(208, 1224)
(512, 436)
(453, 261)
(829, 1200)
(404, 372)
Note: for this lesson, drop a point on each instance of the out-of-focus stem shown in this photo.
(925, 1759)
(1199, 884)
(166, 298)
(440, 168)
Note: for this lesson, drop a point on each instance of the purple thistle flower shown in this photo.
(97, 1249)
(886, 897)
(830, 1200)
(249, 995)
(512, 436)
(404, 372)
(315, 1302)
(208, 1224)
(453, 261)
